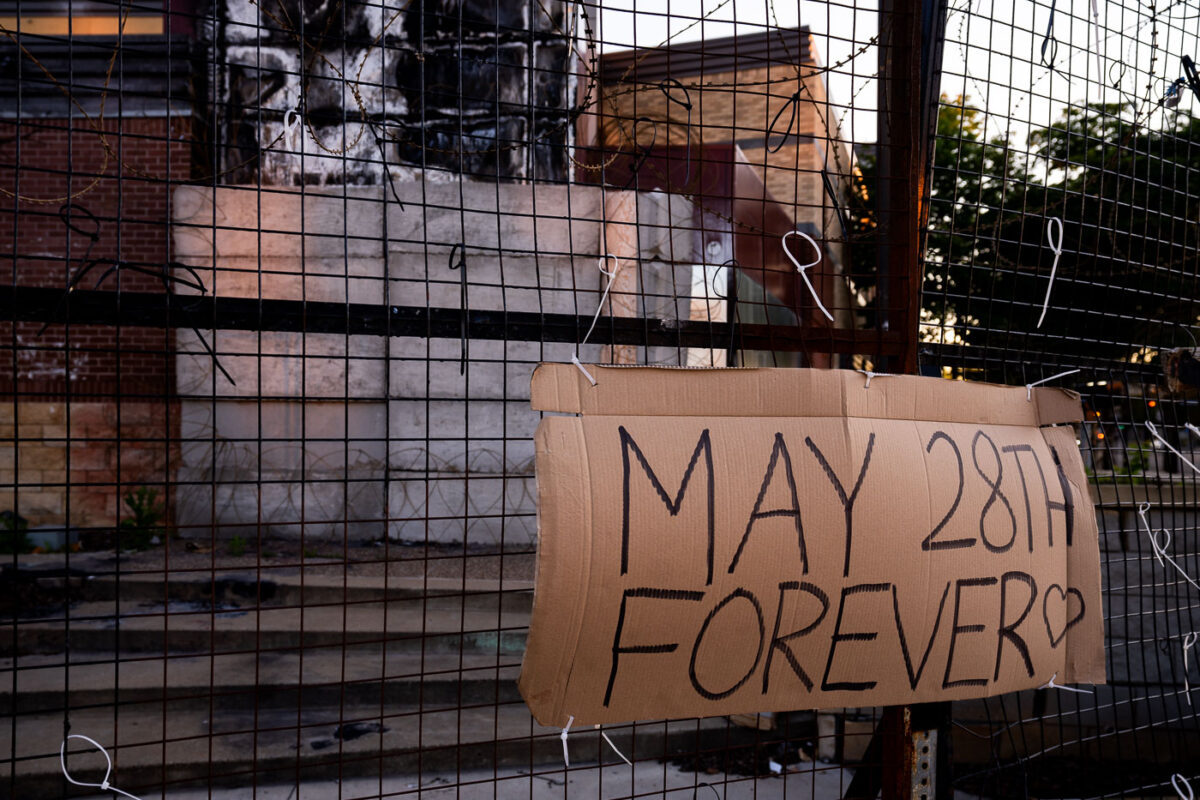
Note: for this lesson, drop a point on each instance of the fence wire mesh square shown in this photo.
(277, 274)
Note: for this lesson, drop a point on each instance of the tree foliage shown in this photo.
(1127, 191)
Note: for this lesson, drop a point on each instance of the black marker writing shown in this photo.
(708, 693)
(914, 677)
(780, 642)
(1067, 506)
(780, 449)
(958, 629)
(703, 446)
(857, 636)
(1009, 631)
(1065, 598)
(995, 494)
(948, 544)
(618, 649)
(847, 501)
(1016, 450)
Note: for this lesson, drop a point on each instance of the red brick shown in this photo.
(92, 416)
(87, 456)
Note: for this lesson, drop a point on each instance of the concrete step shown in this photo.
(277, 588)
(190, 747)
(324, 676)
(285, 586)
(406, 595)
(404, 625)
(645, 779)
(37, 583)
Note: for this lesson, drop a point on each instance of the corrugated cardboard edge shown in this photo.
(715, 392)
(1082, 665)
(1056, 406)
(561, 453)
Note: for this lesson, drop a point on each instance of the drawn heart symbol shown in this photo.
(1063, 597)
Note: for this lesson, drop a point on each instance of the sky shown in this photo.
(992, 53)
(626, 24)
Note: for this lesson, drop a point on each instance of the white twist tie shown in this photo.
(1176, 779)
(612, 276)
(1029, 386)
(1143, 507)
(102, 785)
(613, 746)
(803, 269)
(1160, 549)
(1056, 246)
(291, 123)
(1052, 685)
(563, 736)
(870, 375)
(1096, 29)
(1189, 641)
(1154, 432)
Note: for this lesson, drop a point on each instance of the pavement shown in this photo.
(812, 780)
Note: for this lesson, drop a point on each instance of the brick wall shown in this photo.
(73, 461)
(84, 409)
(740, 106)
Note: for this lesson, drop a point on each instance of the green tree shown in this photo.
(1128, 196)
(967, 199)
(1127, 188)
(969, 188)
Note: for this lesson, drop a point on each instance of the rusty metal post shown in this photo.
(911, 743)
(910, 38)
(916, 752)
(914, 740)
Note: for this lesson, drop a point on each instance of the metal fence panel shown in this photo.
(278, 274)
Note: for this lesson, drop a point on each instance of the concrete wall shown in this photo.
(326, 434)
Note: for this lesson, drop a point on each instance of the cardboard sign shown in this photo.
(728, 541)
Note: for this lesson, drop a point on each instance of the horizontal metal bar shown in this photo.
(1052, 353)
(157, 310)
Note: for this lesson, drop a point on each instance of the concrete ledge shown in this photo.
(320, 434)
(346, 222)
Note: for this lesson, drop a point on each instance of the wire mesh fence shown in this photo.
(1060, 239)
(279, 274)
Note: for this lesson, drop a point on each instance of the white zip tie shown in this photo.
(613, 746)
(102, 785)
(1052, 685)
(1096, 29)
(575, 360)
(1179, 791)
(1056, 246)
(1192, 428)
(291, 123)
(1029, 386)
(1160, 550)
(870, 375)
(612, 276)
(1189, 641)
(563, 736)
(1143, 507)
(803, 270)
(1154, 432)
